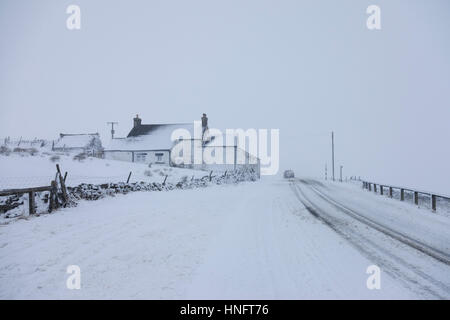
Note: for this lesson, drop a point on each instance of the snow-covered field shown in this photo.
(253, 240)
(23, 170)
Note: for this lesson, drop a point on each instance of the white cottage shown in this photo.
(151, 143)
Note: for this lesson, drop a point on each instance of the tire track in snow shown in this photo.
(393, 265)
(422, 247)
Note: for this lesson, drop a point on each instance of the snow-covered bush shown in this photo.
(5, 151)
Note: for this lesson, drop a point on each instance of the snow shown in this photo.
(407, 242)
(77, 141)
(271, 239)
(158, 139)
(20, 171)
(254, 240)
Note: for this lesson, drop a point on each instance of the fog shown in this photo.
(304, 67)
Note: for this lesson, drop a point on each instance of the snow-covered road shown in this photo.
(409, 244)
(270, 239)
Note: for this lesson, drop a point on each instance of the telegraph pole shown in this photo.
(112, 128)
(332, 154)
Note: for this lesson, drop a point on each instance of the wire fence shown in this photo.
(25, 143)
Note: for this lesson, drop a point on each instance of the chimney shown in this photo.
(137, 121)
(204, 122)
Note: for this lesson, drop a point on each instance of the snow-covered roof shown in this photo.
(149, 137)
(77, 140)
(159, 129)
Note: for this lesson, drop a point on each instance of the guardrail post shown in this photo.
(433, 197)
(433, 202)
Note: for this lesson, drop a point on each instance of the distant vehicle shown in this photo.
(288, 174)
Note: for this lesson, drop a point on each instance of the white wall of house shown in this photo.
(119, 155)
(152, 156)
(144, 156)
(229, 157)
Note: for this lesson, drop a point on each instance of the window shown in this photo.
(159, 157)
(140, 157)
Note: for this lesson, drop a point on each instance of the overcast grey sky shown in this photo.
(305, 67)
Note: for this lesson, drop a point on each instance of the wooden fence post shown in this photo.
(433, 202)
(129, 176)
(416, 197)
(374, 188)
(370, 186)
(381, 189)
(63, 185)
(53, 196)
(402, 194)
(210, 175)
(32, 205)
(51, 200)
(390, 192)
